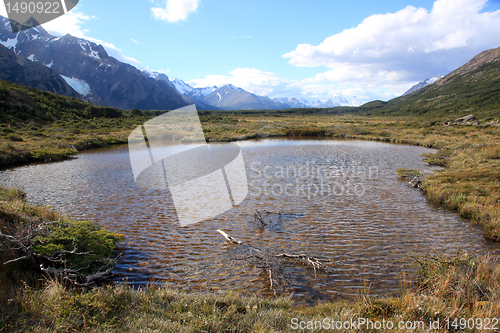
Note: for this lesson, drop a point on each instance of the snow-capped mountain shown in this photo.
(422, 84)
(157, 76)
(291, 102)
(229, 97)
(189, 94)
(17, 69)
(181, 86)
(186, 89)
(333, 101)
(89, 69)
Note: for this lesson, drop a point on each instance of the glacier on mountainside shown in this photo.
(78, 85)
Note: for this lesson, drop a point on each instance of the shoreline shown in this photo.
(436, 295)
(463, 149)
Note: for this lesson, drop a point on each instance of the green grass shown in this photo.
(40, 126)
(447, 288)
(45, 231)
(475, 92)
(407, 172)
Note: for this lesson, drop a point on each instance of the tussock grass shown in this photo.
(471, 186)
(43, 231)
(123, 309)
(457, 287)
(448, 288)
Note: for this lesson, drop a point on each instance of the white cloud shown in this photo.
(175, 10)
(251, 79)
(161, 71)
(393, 51)
(72, 23)
(272, 85)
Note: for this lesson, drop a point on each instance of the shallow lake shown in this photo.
(338, 200)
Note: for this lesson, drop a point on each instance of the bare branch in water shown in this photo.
(267, 260)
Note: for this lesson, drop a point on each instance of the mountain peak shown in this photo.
(423, 84)
(29, 24)
(87, 67)
(181, 86)
(230, 86)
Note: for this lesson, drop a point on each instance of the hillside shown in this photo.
(18, 69)
(472, 88)
(19, 103)
(109, 81)
(36, 125)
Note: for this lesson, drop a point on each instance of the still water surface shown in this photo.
(340, 200)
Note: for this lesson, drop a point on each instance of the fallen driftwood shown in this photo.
(416, 181)
(259, 218)
(229, 238)
(314, 262)
(267, 260)
(77, 279)
(414, 177)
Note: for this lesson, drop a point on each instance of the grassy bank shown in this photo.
(448, 289)
(41, 126)
(470, 153)
(37, 240)
(469, 183)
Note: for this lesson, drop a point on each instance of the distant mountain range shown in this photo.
(229, 97)
(87, 71)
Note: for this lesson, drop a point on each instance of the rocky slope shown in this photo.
(17, 69)
(112, 83)
(471, 89)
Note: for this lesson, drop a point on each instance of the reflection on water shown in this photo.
(340, 199)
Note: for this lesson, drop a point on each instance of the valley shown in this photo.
(60, 97)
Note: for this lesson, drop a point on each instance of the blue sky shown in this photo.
(294, 48)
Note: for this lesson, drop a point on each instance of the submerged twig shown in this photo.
(259, 218)
(273, 268)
